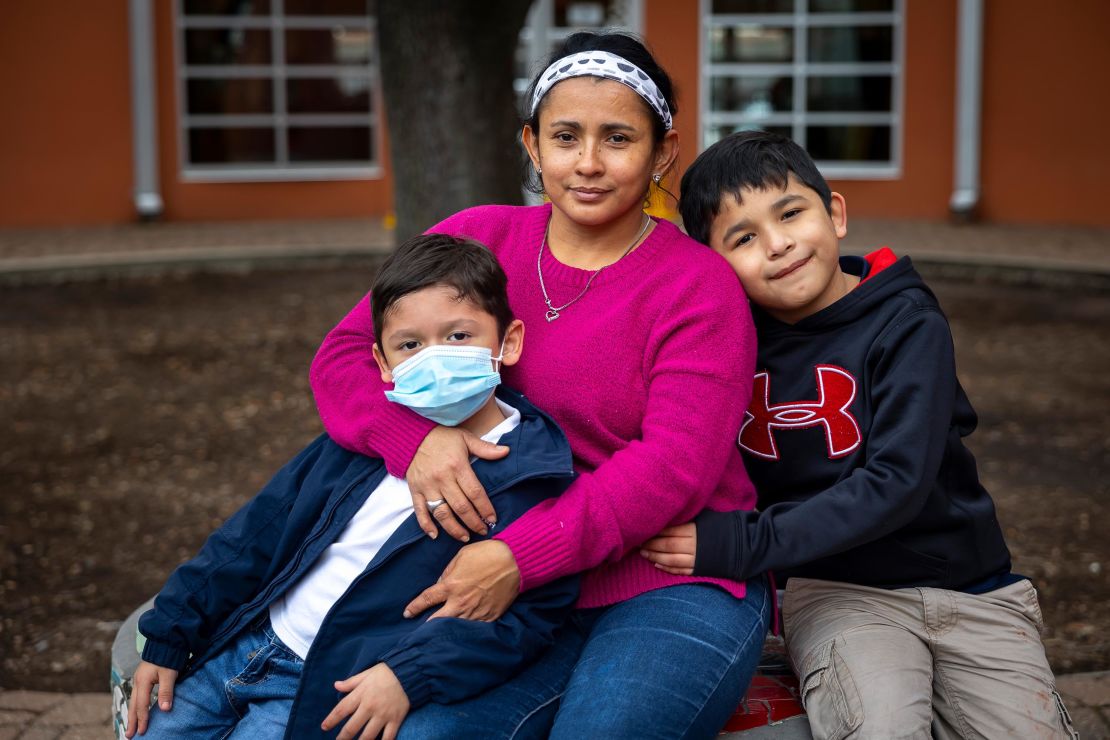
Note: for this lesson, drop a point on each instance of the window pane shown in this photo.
(752, 95)
(230, 96)
(523, 64)
(226, 7)
(854, 143)
(230, 145)
(720, 132)
(340, 95)
(851, 6)
(328, 46)
(579, 14)
(854, 93)
(851, 44)
(227, 46)
(751, 44)
(327, 7)
(753, 6)
(327, 144)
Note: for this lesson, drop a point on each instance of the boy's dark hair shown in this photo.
(439, 259)
(749, 159)
(615, 42)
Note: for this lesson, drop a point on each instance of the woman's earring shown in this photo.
(656, 178)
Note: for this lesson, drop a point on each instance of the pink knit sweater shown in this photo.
(648, 374)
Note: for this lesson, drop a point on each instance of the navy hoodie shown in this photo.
(271, 542)
(854, 440)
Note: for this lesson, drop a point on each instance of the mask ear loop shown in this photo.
(500, 356)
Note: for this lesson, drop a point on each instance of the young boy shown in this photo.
(305, 586)
(902, 616)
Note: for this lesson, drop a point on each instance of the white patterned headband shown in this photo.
(608, 66)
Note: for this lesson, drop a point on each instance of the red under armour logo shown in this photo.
(836, 389)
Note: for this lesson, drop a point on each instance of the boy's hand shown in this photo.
(440, 471)
(673, 549)
(376, 700)
(138, 707)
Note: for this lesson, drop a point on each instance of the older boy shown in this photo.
(307, 583)
(902, 615)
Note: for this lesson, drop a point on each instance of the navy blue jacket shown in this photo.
(271, 542)
(854, 441)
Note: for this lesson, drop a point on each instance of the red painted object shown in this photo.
(773, 695)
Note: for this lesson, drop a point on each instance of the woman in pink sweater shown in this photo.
(641, 346)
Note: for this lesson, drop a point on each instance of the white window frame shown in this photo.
(540, 33)
(277, 71)
(800, 69)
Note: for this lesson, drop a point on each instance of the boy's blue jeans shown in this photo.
(670, 663)
(246, 691)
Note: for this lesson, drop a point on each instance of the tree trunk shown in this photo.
(447, 79)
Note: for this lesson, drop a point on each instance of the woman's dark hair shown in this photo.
(623, 45)
(424, 261)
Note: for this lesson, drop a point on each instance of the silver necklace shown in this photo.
(553, 311)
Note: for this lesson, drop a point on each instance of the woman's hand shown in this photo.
(440, 471)
(480, 583)
(673, 549)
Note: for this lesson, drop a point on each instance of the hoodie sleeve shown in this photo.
(201, 593)
(913, 392)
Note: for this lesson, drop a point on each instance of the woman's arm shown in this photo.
(350, 393)
(434, 460)
(350, 396)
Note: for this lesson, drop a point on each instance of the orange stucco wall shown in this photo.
(193, 201)
(1046, 151)
(65, 133)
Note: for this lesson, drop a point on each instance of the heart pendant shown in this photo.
(552, 315)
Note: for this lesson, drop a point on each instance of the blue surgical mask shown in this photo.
(446, 383)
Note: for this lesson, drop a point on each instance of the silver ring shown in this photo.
(433, 505)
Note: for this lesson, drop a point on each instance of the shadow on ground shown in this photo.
(138, 414)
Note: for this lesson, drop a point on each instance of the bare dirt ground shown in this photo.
(138, 414)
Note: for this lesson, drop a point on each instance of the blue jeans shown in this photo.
(670, 663)
(245, 691)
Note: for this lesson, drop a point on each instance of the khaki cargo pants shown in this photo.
(922, 662)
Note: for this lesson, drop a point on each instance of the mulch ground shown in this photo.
(138, 414)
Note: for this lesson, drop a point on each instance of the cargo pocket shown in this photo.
(829, 694)
(1032, 605)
